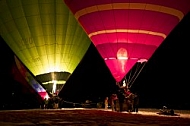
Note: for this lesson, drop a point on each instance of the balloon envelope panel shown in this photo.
(137, 27)
(31, 79)
(44, 34)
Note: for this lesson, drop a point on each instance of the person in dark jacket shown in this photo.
(121, 98)
(136, 103)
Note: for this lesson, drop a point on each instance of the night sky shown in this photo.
(163, 81)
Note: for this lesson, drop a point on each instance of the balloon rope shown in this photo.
(132, 75)
(136, 75)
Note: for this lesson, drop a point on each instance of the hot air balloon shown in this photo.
(45, 36)
(127, 32)
(30, 79)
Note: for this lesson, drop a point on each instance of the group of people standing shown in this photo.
(124, 100)
(51, 103)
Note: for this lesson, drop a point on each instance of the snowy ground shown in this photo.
(91, 117)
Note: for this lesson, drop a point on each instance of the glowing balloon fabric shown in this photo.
(31, 79)
(44, 34)
(130, 29)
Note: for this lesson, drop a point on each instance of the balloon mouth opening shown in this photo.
(59, 77)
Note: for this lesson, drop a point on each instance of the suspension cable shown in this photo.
(135, 75)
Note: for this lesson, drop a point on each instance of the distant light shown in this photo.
(54, 86)
(46, 97)
(124, 83)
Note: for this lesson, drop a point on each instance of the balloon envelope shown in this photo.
(31, 80)
(127, 31)
(44, 35)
